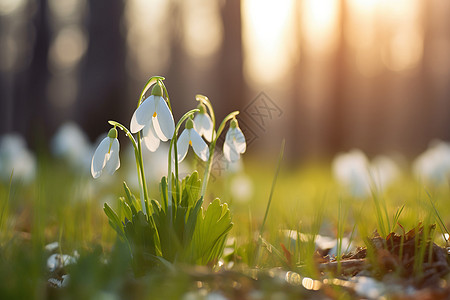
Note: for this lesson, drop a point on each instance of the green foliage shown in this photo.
(187, 233)
(210, 234)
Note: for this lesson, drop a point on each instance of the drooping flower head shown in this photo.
(106, 156)
(16, 159)
(203, 123)
(154, 117)
(191, 137)
(234, 144)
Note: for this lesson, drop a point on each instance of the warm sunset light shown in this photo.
(269, 42)
(320, 19)
(224, 149)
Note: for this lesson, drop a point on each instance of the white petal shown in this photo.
(199, 145)
(241, 146)
(203, 125)
(230, 152)
(158, 130)
(113, 161)
(99, 158)
(164, 118)
(142, 114)
(150, 138)
(182, 145)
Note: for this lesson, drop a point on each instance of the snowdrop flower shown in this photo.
(155, 118)
(234, 143)
(433, 166)
(203, 123)
(106, 155)
(16, 159)
(383, 171)
(354, 171)
(351, 170)
(72, 144)
(191, 137)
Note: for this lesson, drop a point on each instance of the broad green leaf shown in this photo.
(210, 234)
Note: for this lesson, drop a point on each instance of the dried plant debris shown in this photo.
(403, 266)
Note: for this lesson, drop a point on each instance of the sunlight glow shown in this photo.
(202, 27)
(404, 46)
(8, 7)
(267, 38)
(320, 21)
(67, 49)
(148, 42)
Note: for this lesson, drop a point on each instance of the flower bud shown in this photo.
(234, 123)
(157, 90)
(189, 124)
(112, 133)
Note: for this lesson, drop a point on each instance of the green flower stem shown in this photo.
(173, 144)
(139, 163)
(149, 83)
(212, 147)
(167, 94)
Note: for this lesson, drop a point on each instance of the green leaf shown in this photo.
(141, 237)
(210, 234)
(114, 220)
(191, 188)
(125, 208)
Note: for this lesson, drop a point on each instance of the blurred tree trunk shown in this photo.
(31, 114)
(336, 113)
(102, 77)
(299, 123)
(176, 79)
(230, 76)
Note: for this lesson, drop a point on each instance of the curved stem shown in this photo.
(212, 147)
(149, 83)
(203, 99)
(225, 120)
(174, 145)
(139, 163)
(167, 94)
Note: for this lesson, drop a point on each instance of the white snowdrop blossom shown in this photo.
(203, 123)
(433, 166)
(191, 137)
(234, 144)
(16, 159)
(106, 156)
(155, 118)
(351, 170)
(383, 171)
(72, 144)
(354, 171)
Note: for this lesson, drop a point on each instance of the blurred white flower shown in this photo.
(106, 155)
(234, 144)
(241, 188)
(383, 171)
(155, 117)
(155, 164)
(191, 137)
(57, 261)
(369, 288)
(354, 171)
(72, 144)
(203, 123)
(16, 159)
(351, 170)
(433, 166)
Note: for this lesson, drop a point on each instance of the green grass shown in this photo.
(67, 207)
